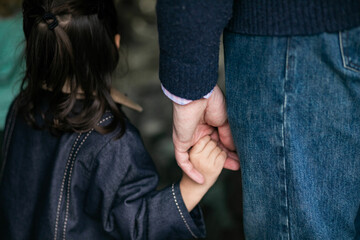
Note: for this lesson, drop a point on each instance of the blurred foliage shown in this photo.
(9, 7)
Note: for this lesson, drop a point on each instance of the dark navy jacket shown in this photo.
(189, 32)
(86, 186)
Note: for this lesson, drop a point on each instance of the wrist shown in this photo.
(192, 192)
(202, 101)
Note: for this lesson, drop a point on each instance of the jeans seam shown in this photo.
(283, 169)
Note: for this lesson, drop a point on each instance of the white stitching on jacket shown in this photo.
(70, 175)
(63, 185)
(69, 183)
(181, 214)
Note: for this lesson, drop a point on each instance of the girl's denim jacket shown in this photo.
(86, 186)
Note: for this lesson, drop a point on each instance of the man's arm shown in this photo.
(189, 36)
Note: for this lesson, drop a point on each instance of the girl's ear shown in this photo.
(117, 40)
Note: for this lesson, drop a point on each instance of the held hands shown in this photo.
(208, 158)
(196, 120)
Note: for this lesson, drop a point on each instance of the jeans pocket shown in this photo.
(350, 49)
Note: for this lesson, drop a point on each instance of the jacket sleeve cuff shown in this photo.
(193, 222)
(191, 81)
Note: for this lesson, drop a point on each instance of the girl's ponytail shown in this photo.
(70, 49)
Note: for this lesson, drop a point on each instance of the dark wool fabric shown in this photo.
(294, 17)
(189, 32)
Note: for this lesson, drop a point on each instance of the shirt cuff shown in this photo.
(179, 100)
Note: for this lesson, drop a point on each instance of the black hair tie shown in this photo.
(49, 16)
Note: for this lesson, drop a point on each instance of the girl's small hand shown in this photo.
(208, 158)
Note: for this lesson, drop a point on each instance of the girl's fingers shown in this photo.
(200, 145)
(220, 158)
(214, 154)
(210, 146)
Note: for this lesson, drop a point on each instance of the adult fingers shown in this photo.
(216, 109)
(215, 136)
(232, 161)
(232, 164)
(226, 137)
(200, 132)
(182, 159)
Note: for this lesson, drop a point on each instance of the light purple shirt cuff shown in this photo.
(179, 100)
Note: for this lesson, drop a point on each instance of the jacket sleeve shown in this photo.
(189, 38)
(124, 192)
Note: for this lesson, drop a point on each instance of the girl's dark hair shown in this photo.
(79, 54)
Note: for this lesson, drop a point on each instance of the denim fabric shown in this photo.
(1, 145)
(87, 186)
(294, 110)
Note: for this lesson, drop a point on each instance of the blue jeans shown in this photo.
(294, 110)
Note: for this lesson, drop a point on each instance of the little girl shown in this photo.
(75, 167)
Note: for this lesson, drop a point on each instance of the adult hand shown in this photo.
(197, 119)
